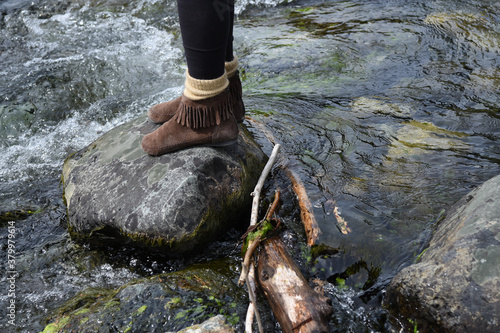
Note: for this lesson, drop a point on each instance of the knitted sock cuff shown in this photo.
(231, 66)
(196, 89)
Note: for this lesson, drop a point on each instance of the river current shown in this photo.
(387, 110)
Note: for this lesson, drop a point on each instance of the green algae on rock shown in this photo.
(177, 201)
(161, 303)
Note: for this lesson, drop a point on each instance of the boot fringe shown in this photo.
(203, 116)
(235, 88)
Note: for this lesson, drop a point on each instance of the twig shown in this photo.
(260, 184)
(255, 203)
(248, 274)
(251, 292)
(248, 256)
(249, 318)
(252, 245)
(274, 205)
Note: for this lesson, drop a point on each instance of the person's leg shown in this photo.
(232, 72)
(205, 29)
(203, 114)
(204, 48)
(230, 38)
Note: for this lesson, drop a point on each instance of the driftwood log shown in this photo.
(296, 306)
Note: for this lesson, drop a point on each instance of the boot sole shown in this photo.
(220, 144)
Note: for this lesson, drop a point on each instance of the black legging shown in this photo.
(207, 35)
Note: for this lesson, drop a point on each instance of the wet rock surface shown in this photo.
(176, 201)
(455, 285)
(198, 299)
(215, 324)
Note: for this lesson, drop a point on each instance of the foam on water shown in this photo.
(34, 144)
(241, 5)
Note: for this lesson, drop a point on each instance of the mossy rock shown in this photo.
(176, 202)
(454, 285)
(162, 303)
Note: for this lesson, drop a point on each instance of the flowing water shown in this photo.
(387, 110)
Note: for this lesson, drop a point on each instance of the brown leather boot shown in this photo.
(235, 90)
(235, 93)
(163, 112)
(207, 122)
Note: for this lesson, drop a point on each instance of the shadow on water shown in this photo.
(387, 110)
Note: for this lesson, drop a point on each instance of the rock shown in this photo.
(176, 202)
(161, 303)
(215, 324)
(477, 29)
(455, 287)
(367, 106)
(419, 138)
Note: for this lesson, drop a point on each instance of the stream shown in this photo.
(389, 111)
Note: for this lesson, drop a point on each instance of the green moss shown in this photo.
(263, 113)
(232, 319)
(17, 215)
(340, 283)
(128, 328)
(419, 257)
(173, 303)
(413, 322)
(425, 126)
(190, 295)
(83, 321)
(322, 250)
(263, 228)
(141, 309)
(306, 253)
(84, 300)
(77, 307)
(82, 311)
(182, 314)
(56, 326)
(111, 304)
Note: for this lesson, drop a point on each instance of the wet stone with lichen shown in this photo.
(176, 202)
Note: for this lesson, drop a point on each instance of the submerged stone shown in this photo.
(455, 285)
(477, 29)
(215, 324)
(177, 201)
(419, 138)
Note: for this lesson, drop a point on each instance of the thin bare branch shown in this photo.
(248, 271)
(274, 205)
(260, 184)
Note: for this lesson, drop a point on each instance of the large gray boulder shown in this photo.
(177, 202)
(455, 287)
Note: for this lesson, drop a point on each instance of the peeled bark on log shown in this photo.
(296, 306)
